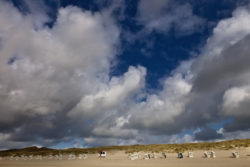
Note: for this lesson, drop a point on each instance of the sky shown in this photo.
(87, 73)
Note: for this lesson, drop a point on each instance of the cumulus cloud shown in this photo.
(163, 15)
(235, 101)
(55, 83)
(38, 10)
(111, 94)
(228, 32)
(45, 72)
(221, 72)
(208, 89)
(167, 105)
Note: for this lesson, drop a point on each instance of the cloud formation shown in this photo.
(55, 82)
(45, 72)
(164, 15)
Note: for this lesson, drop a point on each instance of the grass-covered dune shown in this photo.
(223, 145)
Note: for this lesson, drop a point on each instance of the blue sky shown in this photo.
(115, 72)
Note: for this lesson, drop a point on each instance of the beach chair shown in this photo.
(190, 155)
(60, 157)
(154, 155)
(180, 155)
(212, 154)
(23, 157)
(56, 157)
(146, 157)
(71, 156)
(130, 156)
(235, 154)
(206, 155)
(39, 157)
(133, 156)
(164, 155)
(84, 156)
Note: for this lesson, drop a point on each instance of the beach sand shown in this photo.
(120, 159)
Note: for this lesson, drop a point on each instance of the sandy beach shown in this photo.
(119, 158)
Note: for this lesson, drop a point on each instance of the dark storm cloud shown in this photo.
(228, 67)
(219, 75)
(208, 134)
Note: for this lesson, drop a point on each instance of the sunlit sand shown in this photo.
(223, 158)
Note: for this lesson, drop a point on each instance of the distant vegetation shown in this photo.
(223, 145)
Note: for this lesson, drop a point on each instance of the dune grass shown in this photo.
(223, 145)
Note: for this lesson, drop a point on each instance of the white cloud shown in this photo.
(161, 109)
(51, 69)
(233, 101)
(112, 94)
(70, 55)
(228, 32)
(177, 139)
(162, 15)
(38, 11)
(244, 134)
(193, 97)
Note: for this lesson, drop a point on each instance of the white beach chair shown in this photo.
(60, 157)
(71, 156)
(23, 157)
(130, 156)
(206, 155)
(39, 157)
(154, 155)
(133, 156)
(190, 155)
(164, 155)
(212, 154)
(235, 154)
(85, 156)
(146, 157)
(56, 157)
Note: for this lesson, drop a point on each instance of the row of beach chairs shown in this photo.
(211, 154)
(50, 157)
(131, 156)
